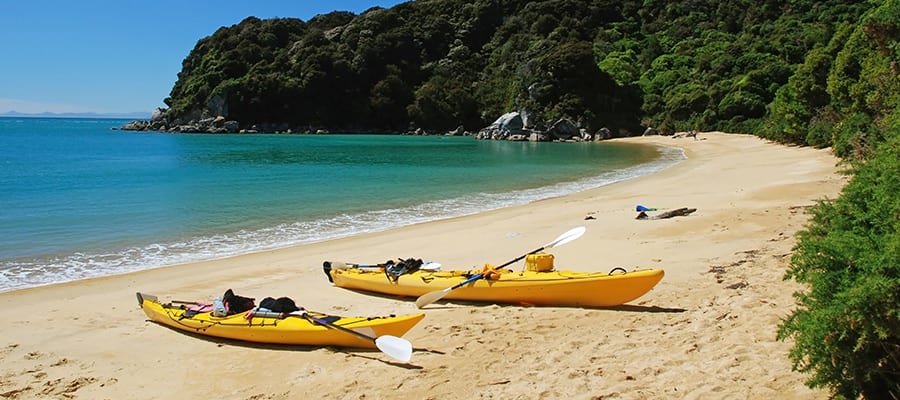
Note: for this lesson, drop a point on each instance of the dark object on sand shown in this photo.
(668, 214)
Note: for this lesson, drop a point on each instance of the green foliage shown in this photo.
(850, 136)
(820, 128)
(622, 66)
(388, 99)
(847, 328)
(864, 77)
(797, 102)
(443, 104)
(443, 63)
(846, 331)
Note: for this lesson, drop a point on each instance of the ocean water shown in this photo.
(80, 199)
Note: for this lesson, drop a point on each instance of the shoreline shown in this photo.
(706, 330)
(74, 264)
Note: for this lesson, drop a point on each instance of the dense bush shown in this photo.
(847, 329)
(698, 64)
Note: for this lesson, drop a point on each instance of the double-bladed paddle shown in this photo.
(434, 296)
(393, 346)
(398, 348)
(428, 265)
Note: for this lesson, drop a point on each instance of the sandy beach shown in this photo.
(707, 331)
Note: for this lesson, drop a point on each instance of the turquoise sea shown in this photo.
(79, 198)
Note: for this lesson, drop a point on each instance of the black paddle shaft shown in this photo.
(338, 327)
(522, 256)
(481, 276)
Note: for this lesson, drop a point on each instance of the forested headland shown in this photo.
(816, 73)
(739, 66)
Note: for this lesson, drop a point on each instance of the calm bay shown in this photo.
(80, 199)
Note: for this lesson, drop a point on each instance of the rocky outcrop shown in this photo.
(209, 122)
(524, 125)
(508, 125)
(216, 124)
(513, 126)
(160, 122)
(602, 134)
(563, 129)
(459, 131)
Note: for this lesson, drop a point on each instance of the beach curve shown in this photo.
(706, 331)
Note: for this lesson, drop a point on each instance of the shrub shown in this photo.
(847, 326)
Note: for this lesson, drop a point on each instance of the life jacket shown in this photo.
(281, 304)
(235, 304)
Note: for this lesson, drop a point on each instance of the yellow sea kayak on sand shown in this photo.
(545, 288)
(312, 329)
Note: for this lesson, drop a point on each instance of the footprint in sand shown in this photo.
(38, 378)
(62, 361)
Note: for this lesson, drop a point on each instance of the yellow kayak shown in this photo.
(546, 288)
(312, 329)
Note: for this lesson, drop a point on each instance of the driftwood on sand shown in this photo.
(680, 212)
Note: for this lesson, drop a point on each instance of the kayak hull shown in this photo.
(292, 330)
(553, 288)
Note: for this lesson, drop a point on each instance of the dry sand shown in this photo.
(707, 331)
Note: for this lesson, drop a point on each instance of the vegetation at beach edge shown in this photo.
(811, 73)
(846, 329)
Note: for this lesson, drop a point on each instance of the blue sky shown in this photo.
(70, 56)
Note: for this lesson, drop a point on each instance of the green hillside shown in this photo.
(440, 64)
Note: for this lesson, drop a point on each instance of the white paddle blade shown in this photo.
(398, 348)
(431, 297)
(567, 237)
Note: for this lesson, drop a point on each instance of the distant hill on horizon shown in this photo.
(130, 115)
